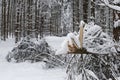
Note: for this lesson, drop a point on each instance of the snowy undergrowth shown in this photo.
(30, 51)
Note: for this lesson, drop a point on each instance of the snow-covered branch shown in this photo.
(115, 7)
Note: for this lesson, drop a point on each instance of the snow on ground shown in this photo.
(55, 42)
(5, 47)
(26, 70)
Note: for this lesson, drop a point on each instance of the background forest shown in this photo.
(20, 18)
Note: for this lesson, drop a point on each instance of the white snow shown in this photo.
(5, 47)
(55, 42)
(64, 47)
(117, 23)
(75, 37)
(93, 30)
(82, 23)
(26, 70)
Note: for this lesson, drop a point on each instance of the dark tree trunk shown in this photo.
(116, 33)
(116, 29)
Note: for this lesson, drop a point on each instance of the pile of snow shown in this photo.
(55, 42)
(64, 46)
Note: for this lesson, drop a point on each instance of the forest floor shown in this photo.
(27, 70)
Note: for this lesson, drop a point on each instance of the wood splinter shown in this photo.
(74, 48)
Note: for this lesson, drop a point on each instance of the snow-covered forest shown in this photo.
(60, 39)
(39, 18)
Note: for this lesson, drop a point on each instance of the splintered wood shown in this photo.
(81, 36)
(74, 48)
